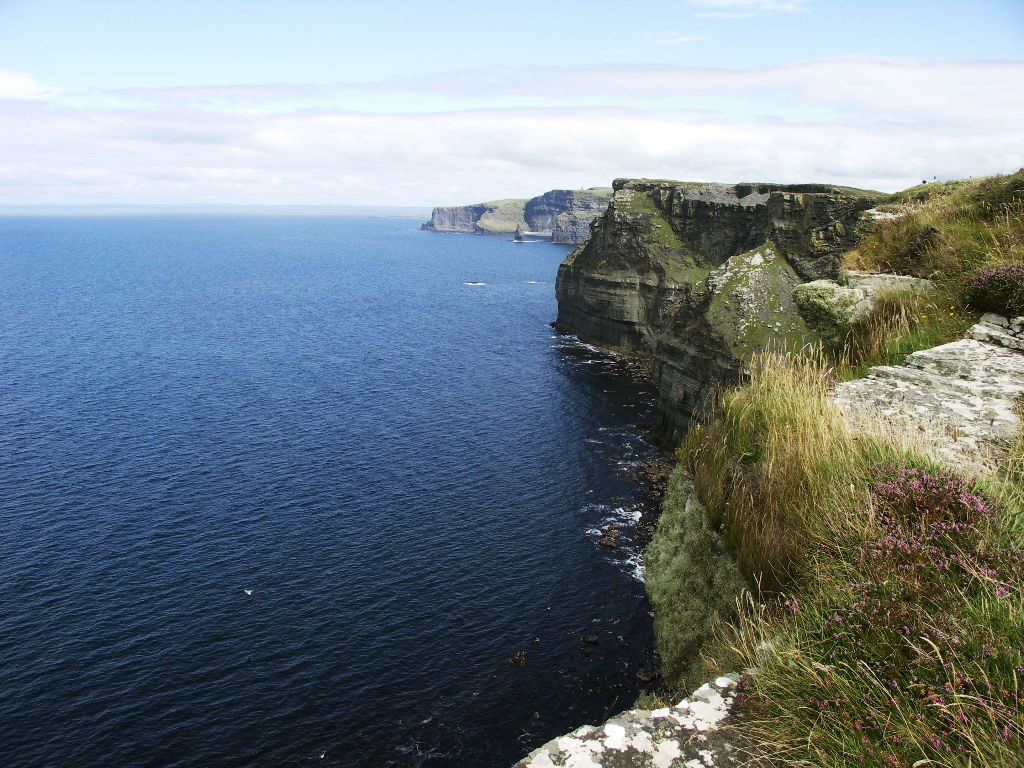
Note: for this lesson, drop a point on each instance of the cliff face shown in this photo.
(701, 275)
(460, 218)
(542, 211)
(563, 215)
(493, 218)
(566, 214)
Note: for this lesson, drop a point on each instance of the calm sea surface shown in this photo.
(288, 491)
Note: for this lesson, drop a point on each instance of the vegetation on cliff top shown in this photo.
(889, 621)
(503, 216)
(886, 622)
(953, 233)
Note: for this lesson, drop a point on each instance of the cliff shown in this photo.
(567, 214)
(968, 388)
(839, 485)
(701, 275)
(493, 218)
(564, 215)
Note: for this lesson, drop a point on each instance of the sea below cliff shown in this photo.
(305, 491)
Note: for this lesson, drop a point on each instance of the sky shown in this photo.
(310, 102)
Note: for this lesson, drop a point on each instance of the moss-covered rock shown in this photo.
(691, 578)
(832, 309)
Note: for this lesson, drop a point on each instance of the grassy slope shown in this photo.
(946, 232)
(503, 217)
(876, 640)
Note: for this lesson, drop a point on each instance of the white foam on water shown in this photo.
(634, 565)
(628, 557)
(570, 340)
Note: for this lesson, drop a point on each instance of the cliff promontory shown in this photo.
(699, 275)
(564, 215)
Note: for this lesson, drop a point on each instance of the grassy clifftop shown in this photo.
(884, 622)
(502, 216)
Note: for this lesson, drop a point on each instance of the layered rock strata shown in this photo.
(701, 275)
(564, 215)
(581, 207)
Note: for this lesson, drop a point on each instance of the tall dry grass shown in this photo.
(877, 637)
(779, 466)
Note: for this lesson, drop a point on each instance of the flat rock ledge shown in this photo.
(958, 398)
(692, 734)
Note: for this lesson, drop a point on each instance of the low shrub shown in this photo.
(968, 238)
(998, 289)
(887, 629)
(776, 466)
(910, 650)
(950, 233)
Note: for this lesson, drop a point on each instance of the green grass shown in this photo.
(884, 622)
(901, 323)
(777, 463)
(862, 653)
(946, 232)
(504, 216)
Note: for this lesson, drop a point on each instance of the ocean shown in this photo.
(305, 491)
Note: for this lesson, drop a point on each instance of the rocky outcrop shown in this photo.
(542, 211)
(692, 734)
(832, 309)
(461, 218)
(701, 275)
(563, 215)
(958, 399)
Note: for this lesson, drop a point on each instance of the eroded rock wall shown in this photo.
(572, 225)
(699, 276)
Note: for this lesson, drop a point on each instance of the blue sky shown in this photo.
(268, 102)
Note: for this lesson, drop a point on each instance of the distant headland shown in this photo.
(564, 215)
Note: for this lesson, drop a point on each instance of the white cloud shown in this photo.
(857, 88)
(863, 88)
(16, 85)
(738, 9)
(881, 124)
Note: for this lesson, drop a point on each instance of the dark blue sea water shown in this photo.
(288, 491)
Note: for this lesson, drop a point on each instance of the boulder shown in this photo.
(694, 732)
